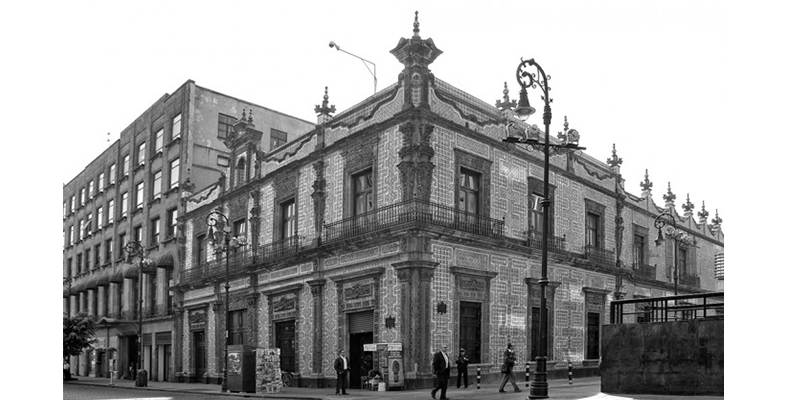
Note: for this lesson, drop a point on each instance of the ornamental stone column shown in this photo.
(415, 278)
(317, 289)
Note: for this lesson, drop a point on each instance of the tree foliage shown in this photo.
(78, 334)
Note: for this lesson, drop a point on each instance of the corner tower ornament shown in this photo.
(416, 55)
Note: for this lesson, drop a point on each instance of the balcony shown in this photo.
(644, 271)
(671, 308)
(555, 244)
(599, 256)
(413, 211)
(689, 280)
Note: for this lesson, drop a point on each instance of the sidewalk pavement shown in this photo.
(580, 389)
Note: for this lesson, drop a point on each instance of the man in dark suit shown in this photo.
(441, 368)
(341, 365)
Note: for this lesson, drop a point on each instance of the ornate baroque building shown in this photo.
(132, 193)
(406, 219)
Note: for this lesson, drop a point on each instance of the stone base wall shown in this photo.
(676, 358)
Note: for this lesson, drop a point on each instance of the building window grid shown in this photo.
(126, 165)
(172, 222)
(288, 219)
(141, 153)
(156, 185)
(225, 125)
(277, 139)
(174, 173)
(111, 211)
(112, 174)
(158, 141)
(362, 192)
(469, 191)
(139, 200)
(155, 231)
(639, 251)
(176, 126)
(123, 206)
(592, 232)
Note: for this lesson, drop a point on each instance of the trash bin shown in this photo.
(141, 378)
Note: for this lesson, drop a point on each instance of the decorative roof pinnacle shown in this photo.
(416, 24)
(688, 207)
(703, 214)
(614, 161)
(669, 197)
(646, 184)
(506, 104)
(325, 110)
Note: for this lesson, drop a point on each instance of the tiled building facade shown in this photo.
(132, 193)
(406, 219)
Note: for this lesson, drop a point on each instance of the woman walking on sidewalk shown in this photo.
(508, 369)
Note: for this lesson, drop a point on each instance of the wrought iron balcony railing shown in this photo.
(644, 271)
(689, 280)
(599, 256)
(413, 211)
(280, 248)
(671, 308)
(240, 260)
(555, 244)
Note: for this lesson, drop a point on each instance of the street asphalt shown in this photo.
(584, 388)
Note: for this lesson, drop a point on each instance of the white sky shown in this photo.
(685, 89)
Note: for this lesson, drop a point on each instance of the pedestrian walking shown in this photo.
(341, 365)
(462, 363)
(508, 369)
(66, 371)
(441, 368)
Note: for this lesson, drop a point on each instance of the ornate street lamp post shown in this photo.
(539, 388)
(679, 237)
(136, 249)
(220, 232)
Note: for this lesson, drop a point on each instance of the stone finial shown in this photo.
(688, 207)
(324, 112)
(614, 161)
(250, 117)
(416, 23)
(703, 214)
(646, 185)
(506, 104)
(669, 198)
(717, 221)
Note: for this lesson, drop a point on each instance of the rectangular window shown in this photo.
(139, 200)
(276, 139)
(288, 219)
(223, 161)
(99, 217)
(137, 234)
(121, 245)
(87, 258)
(88, 226)
(362, 192)
(111, 211)
(155, 231)
(537, 214)
(592, 233)
(123, 205)
(172, 222)
(72, 203)
(236, 327)
(225, 125)
(97, 251)
(91, 188)
(200, 252)
(174, 173)
(156, 189)
(80, 229)
(69, 268)
(126, 165)
(469, 191)
(71, 237)
(639, 242)
(682, 263)
(141, 153)
(112, 174)
(170, 283)
(239, 228)
(176, 127)
(159, 141)
(101, 182)
(79, 262)
(82, 196)
(109, 250)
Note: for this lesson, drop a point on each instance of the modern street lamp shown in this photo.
(136, 249)
(372, 71)
(220, 231)
(678, 236)
(539, 389)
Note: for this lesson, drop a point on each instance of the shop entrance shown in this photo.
(199, 355)
(360, 328)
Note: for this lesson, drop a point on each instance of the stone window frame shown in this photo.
(483, 167)
(536, 185)
(534, 297)
(599, 210)
(285, 186)
(358, 157)
(483, 297)
(602, 293)
(645, 233)
(375, 275)
(276, 295)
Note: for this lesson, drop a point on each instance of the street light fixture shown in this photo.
(136, 249)
(220, 231)
(539, 388)
(372, 71)
(678, 236)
